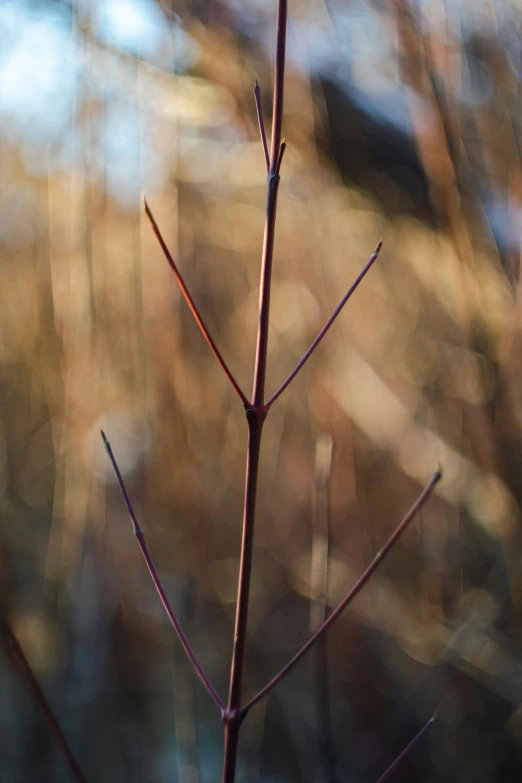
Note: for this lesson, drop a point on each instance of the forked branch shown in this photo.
(192, 307)
(379, 557)
(138, 532)
(327, 325)
(407, 749)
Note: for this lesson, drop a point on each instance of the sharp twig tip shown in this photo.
(256, 86)
(104, 437)
(147, 210)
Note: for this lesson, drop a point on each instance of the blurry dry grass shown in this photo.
(423, 368)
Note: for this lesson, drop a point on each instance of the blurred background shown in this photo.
(404, 122)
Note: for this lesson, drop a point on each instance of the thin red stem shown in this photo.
(261, 122)
(282, 149)
(192, 307)
(138, 532)
(276, 154)
(327, 326)
(18, 656)
(407, 749)
(379, 557)
(279, 82)
(256, 415)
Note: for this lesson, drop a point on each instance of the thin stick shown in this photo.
(282, 149)
(327, 325)
(192, 307)
(259, 109)
(379, 557)
(318, 606)
(138, 532)
(16, 652)
(279, 80)
(256, 415)
(407, 749)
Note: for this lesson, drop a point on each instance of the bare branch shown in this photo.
(15, 651)
(282, 149)
(379, 557)
(138, 532)
(255, 416)
(407, 749)
(279, 82)
(257, 96)
(193, 309)
(326, 327)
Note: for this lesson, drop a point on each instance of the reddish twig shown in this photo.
(138, 532)
(407, 749)
(379, 557)
(279, 80)
(282, 149)
(16, 652)
(256, 413)
(259, 109)
(327, 326)
(193, 309)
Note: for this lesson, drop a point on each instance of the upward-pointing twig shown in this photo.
(407, 749)
(18, 656)
(138, 532)
(256, 414)
(193, 309)
(326, 327)
(259, 109)
(379, 557)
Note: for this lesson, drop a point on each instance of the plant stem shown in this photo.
(262, 132)
(138, 532)
(327, 325)
(365, 576)
(18, 656)
(256, 414)
(407, 749)
(192, 307)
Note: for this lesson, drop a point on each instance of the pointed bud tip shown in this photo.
(256, 86)
(378, 248)
(104, 436)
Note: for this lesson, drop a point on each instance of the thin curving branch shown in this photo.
(379, 557)
(327, 325)
(259, 109)
(138, 532)
(17, 654)
(192, 307)
(407, 749)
